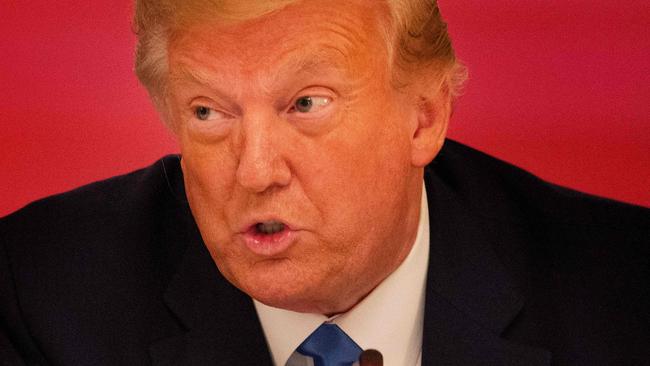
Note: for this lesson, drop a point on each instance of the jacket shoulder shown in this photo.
(104, 202)
(581, 261)
(117, 218)
(72, 262)
(501, 191)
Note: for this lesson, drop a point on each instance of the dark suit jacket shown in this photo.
(521, 273)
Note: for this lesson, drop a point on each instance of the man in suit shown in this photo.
(314, 201)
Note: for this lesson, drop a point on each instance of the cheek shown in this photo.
(374, 140)
(350, 175)
(209, 177)
(207, 183)
(207, 180)
(209, 167)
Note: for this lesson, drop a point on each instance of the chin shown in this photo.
(283, 298)
(302, 300)
(290, 290)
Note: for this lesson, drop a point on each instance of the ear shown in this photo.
(433, 115)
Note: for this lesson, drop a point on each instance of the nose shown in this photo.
(261, 162)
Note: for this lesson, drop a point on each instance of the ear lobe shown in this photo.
(432, 121)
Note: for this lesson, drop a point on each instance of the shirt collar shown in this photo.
(389, 319)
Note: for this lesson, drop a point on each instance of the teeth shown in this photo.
(270, 227)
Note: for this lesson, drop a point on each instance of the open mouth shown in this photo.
(269, 227)
(269, 238)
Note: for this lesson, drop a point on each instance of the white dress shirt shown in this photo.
(389, 319)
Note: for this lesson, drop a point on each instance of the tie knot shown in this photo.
(328, 345)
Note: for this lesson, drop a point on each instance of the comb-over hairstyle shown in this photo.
(418, 36)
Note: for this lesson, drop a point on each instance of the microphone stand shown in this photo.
(371, 357)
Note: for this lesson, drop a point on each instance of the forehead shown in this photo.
(304, 35)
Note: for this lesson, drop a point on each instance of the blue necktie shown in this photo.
(328, 345)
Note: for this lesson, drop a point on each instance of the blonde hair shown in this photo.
(417, 33)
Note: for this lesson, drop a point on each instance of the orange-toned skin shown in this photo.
(346, 176)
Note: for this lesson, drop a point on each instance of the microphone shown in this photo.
(371, 357)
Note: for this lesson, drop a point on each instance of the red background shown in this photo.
(561, 88)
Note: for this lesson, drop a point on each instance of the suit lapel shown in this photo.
(221, 325)
(471, 297)
(218, 324)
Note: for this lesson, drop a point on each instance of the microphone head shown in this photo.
(371, 357)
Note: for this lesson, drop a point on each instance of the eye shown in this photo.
(203, 113)
(309, 104)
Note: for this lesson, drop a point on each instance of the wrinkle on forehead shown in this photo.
(232, 81)
(265, 51)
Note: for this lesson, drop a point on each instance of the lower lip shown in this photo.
(268, 245)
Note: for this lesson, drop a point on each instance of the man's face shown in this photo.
(297, 152)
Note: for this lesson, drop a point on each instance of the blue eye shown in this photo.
(307, 104)
(202, 113)
(304, 104)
